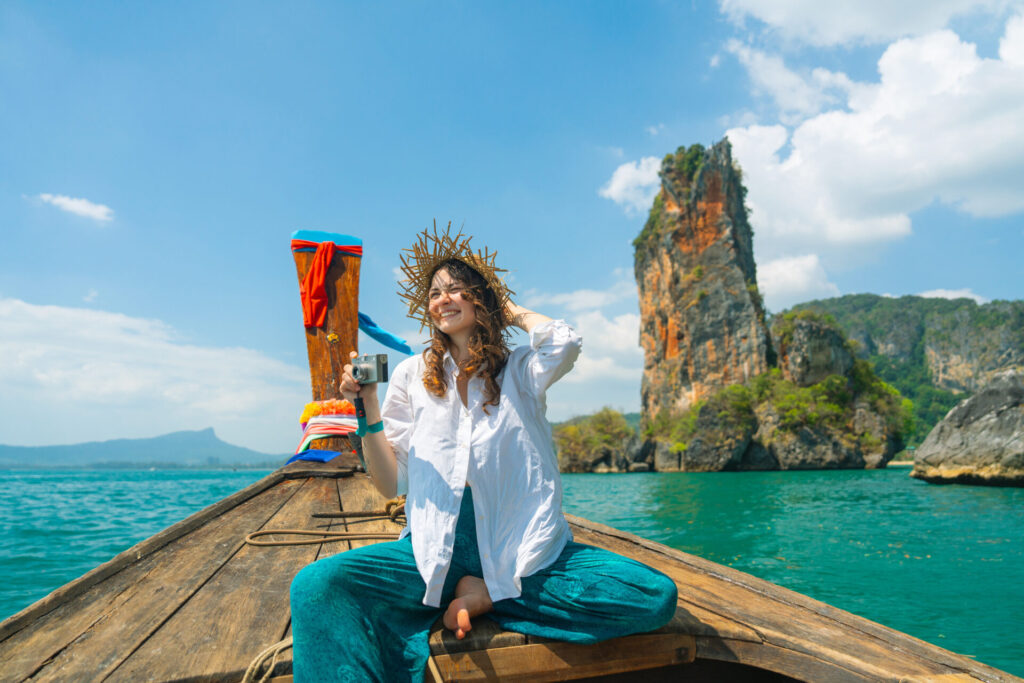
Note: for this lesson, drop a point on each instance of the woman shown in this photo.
(463, 433)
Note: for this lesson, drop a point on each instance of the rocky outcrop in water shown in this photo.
(702, 320)
(602, 442)
(822, 408)
(981, 441)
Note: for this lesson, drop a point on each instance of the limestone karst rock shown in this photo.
(809, 350)
(961, 344)
(702, 320)
(981, 441)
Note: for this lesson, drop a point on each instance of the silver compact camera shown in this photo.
(370, 368)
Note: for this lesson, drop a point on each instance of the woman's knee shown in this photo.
(328, 577)
(664, 595)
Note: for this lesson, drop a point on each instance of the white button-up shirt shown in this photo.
(508, 455)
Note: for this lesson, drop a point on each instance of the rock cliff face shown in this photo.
(702, 319)
(960, 344)
(810, 350)
(981, 441)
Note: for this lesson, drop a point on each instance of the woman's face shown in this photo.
(451, 312)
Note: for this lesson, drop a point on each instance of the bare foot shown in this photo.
(471, 599)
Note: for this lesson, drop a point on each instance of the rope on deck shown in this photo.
(253, 675)
(394, 510)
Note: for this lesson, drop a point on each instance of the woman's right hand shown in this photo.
(350, 388)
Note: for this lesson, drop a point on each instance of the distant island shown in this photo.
(187, 449)
(847, 382)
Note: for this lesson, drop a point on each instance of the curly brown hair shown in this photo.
(488, 343)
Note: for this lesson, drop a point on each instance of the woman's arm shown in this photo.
(525, 319)
(377, 451)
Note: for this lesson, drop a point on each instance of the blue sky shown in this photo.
(154, 159)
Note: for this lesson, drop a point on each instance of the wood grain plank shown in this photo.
(359, 494)
(485, 635)
(798, 665)
(78, 636)
(239, 611)
(326, 357)
(559, 661)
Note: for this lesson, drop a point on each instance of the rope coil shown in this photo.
(394, 510)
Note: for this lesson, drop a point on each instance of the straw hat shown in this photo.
(420, 262)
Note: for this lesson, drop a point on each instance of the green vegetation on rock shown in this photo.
(903, 337)
(653, 220)
(678, 170)
(584, 440)
(687, 161)
(831, 403)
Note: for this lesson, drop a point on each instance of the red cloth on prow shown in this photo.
(312, 290)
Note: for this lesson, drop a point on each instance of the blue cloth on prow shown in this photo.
(322, 236)
(375, 331)
(314, 454)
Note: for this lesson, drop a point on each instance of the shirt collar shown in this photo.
(449, 364)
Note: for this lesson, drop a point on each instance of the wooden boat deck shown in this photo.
(195, 603)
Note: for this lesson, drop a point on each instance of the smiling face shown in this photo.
(450, 309)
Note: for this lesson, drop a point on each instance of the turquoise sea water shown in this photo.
(943, 563)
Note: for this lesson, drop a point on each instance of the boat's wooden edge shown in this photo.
(556, 661)
(339, 467)
(896, 640)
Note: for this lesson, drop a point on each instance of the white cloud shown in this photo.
(654, 130)
(90, 296)
(1011, 47)
(954, 294)
(608, 371)
(787, 281)
(795, 95)
(79, 207)
(634, 184)
(75, 374)
(624, 289)
(938, 126)
(864, 21)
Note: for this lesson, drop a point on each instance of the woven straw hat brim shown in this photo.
(432, 248)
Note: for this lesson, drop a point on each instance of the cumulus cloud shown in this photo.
(633, 185)
(77, 374)
(609, 370)
(787, 281)
(794, 94)
(954, 294)
(865, 21)
(654, 130)
(624, 289)
(933, 128)
(79, 206)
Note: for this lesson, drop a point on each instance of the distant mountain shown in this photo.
(199, 448)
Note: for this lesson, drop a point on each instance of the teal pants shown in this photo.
(359, 615)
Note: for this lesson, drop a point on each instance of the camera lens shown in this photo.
(357, 373)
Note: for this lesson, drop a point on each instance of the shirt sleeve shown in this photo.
(555, 346)
(396, 413)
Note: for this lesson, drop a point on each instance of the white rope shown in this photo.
(271, 654)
